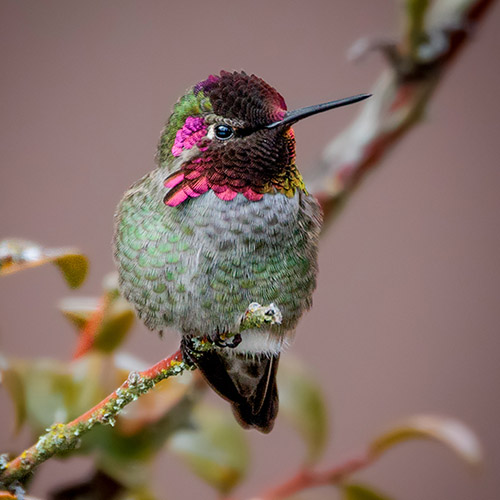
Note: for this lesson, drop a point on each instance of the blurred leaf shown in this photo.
(361, 492)
(54, 391)
(129, 472)
(137, 494)
(13, 382)
(448, 431)
(302, 402)
(74, 266)
(99, 486)
(17, 255)
(215, 449)
(117, 322)
(127, 457)
(47, 392)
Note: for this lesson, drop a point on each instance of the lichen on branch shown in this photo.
(62, 437)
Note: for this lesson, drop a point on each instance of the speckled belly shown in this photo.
(198, 266)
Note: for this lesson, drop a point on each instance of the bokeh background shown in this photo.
(406, 315)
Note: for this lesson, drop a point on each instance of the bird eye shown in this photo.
(223, 132)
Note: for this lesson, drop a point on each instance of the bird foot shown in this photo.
(222, 340)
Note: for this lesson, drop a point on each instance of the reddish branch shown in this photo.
(157, 372)
(62, 437)
(399, 98)
(5, 495)
(308, 479)
(89, 332)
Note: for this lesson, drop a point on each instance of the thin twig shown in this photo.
(5, 495)
(62, 437)
(88, 333)
(307, 478)
(399, 99)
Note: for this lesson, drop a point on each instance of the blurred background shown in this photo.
(406, 314)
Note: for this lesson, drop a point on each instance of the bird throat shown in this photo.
(228, 172)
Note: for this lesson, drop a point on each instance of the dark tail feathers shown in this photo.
(248, 383)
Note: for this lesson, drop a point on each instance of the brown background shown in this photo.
(407, 310)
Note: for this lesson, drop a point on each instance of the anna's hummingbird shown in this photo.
(224, 221)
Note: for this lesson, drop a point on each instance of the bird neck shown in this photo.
(227, 180)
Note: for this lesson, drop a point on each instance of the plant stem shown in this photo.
(88, 333)
(399, 98)
(307, 478)
(62, 437)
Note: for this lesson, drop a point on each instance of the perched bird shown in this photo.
(223, 221)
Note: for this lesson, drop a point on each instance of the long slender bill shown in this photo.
(298, 114)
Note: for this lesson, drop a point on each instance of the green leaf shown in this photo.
(215, 448)
(12, 380)
(56, 391)
(445, 430)
(50, 394)
(302, 402)
(74, 266)
(17, 255)
(48, 391)
(117, 323)
(113, 329)
(361, 492)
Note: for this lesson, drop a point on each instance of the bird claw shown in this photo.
(221, 340)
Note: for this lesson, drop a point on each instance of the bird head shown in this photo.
(231, 133)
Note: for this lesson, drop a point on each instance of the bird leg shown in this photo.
(228, 340)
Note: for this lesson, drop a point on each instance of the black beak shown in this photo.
(294, 116)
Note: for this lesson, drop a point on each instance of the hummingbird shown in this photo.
(223, 221)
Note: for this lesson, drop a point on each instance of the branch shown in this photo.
(88, 333)
(399, 97)
(62, 437)
(308, 479)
